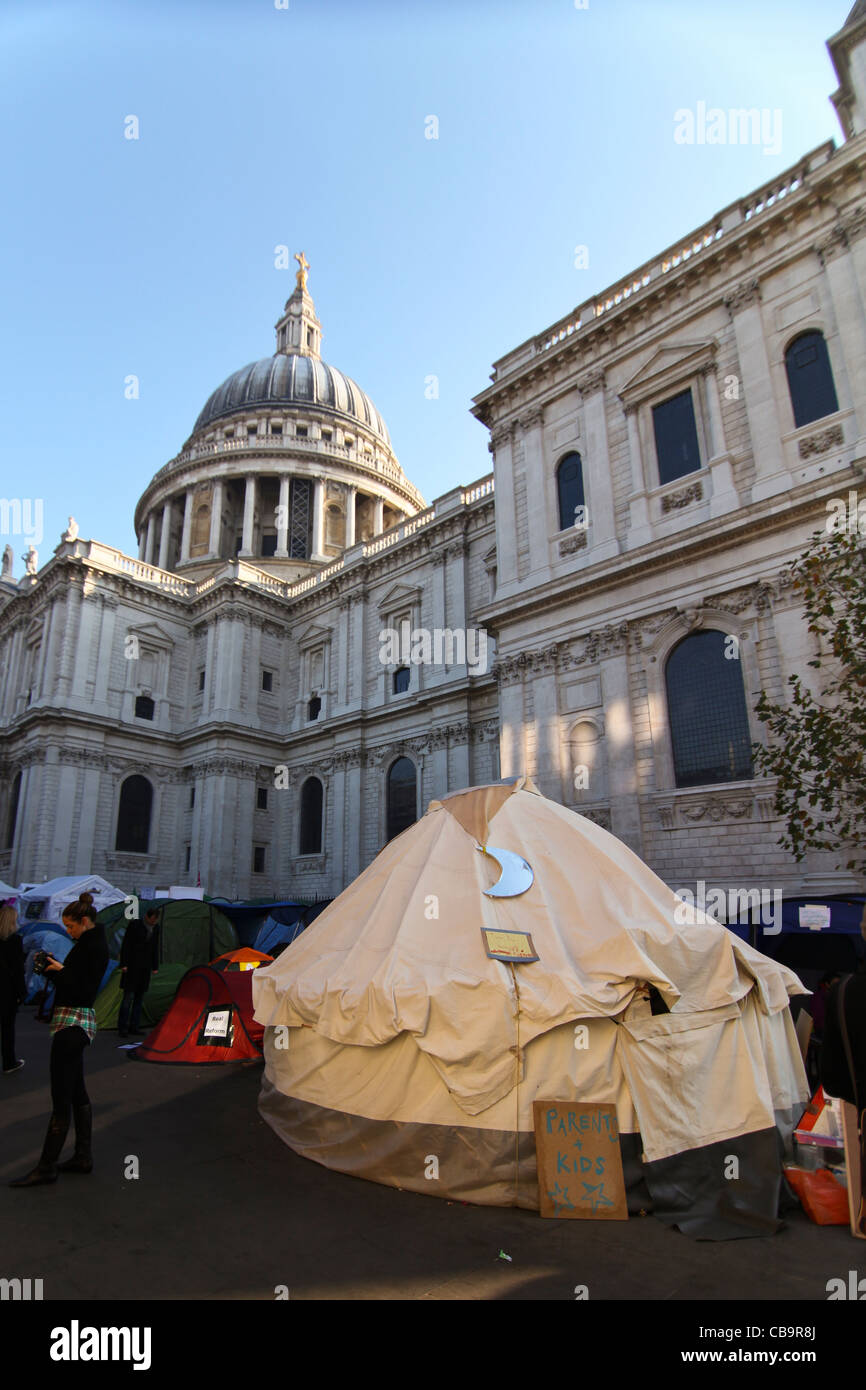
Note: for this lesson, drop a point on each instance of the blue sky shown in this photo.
(305, 127)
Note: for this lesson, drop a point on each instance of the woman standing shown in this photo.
(73, 1026)
(12, 989)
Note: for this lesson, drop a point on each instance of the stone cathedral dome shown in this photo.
(289, 463)
(289, 379)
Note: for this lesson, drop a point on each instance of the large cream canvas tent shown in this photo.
(402, 1039)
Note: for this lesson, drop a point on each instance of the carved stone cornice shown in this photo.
(749, 292)
(821, 443)
(225, 766)
(834, 243)
(675, 501)
(591, 381)
(854, 224)
(500, 434)
(488, 732)
(532, 417)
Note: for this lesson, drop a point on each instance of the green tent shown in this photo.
(190, 933)
(156, 1002)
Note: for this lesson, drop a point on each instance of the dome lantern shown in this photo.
(299, 331)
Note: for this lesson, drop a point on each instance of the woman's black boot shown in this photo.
(46, 1169)
(82, 1160)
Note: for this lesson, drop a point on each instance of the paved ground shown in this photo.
(223, 1210)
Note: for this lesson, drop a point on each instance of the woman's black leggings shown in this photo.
(67, 1071)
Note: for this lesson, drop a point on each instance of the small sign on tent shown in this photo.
(218, 1028)
(579, 1161)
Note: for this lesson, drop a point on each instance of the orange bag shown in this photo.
(822, 1197)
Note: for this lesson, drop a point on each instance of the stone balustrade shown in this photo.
(673, 258)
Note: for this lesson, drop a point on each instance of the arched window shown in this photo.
(707, 711)
(144, 707)
(311, 817)
(402, 794)
(401, 680)
(810, 378)
(569, 486)
(13, 812)
(133, 815)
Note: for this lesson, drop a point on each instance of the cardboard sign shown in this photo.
(513, 946)
(579, 1161)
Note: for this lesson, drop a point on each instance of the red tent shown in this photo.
(211, 1020)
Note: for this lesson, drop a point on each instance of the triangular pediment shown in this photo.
(314, 634)
(151, 634)
(672, 363)
(398, 596)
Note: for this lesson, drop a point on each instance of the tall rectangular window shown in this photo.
(258, 859)
(676, 435)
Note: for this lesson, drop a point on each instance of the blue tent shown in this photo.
(251, 919)
(42, 937)
(809, 952)
(284, 925)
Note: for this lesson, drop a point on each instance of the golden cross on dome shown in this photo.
(302, 273)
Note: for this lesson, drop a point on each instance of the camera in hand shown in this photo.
(41, 960)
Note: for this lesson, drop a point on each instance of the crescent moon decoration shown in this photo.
(516, 874)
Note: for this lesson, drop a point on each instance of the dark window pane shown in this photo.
(810, 379)
(676, 437)
(707, 712)
(201, 680)
(144, 707)
(258, 859)
(267, 680)
(401, 680)
(269, 546)
(311, 817)
(569, 484)
(133, 816)
(262, 798)
(314, 708)
(402, 809)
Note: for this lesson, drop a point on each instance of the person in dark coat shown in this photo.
(73, 1026)
(139, 960)
(12, 988)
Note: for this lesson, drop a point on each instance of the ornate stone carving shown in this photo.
(666, 817)
(675, 501)
(833, 244)
(599, 815)
(499, 435)
(718, 809)
(573, 543)
(854, 223)
(530, 418)
(592, 381)
(832, 438)
(749, 292)
(311, 864)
